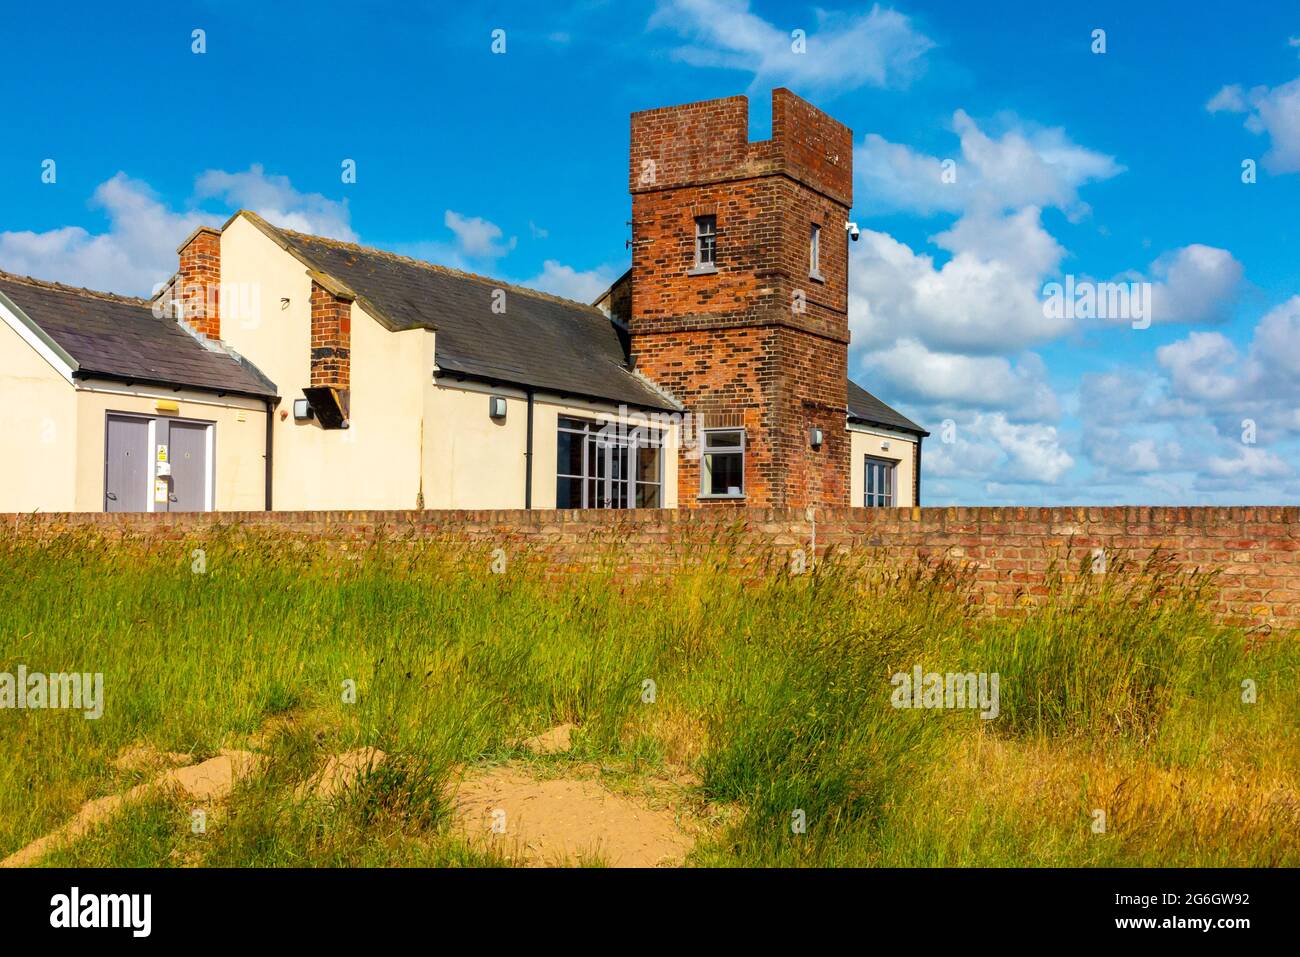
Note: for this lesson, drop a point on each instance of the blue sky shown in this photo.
(1124, 165)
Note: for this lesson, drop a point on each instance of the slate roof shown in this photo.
(118, 337)
(539, 340)
(866, 408)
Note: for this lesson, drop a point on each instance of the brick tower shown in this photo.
(740, 292)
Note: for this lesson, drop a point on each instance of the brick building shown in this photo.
(713, 374)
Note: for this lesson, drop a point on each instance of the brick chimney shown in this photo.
(198, 282)
(331, 353)
(731, 311)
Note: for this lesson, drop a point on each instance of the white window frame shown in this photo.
(815, 252)
(706, 451)
(612, 434)
(884, 467)
(701, 264)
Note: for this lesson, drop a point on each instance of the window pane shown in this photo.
(724, 473)
(723, 440)
(647, 496)
(647, 464)
(878, 483)
(568, 459)
(568, 493)
(705, 239)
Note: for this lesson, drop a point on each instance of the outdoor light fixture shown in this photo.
(301, 409)
(815, 438)
(885, 445)
(497, 406)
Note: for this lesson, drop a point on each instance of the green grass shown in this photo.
(771, 696)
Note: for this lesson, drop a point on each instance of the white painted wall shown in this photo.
(238, 439)
(376, 462)
(474, 461)
(38, 416)
(867, 440)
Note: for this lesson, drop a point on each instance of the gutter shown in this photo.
(130, 380)
(270, 448)
(445, 372)
(916, 474)
(528, 456)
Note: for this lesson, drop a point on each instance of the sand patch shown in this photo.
(555, 741)
(210, 780)
(339, 773)
(565, 820)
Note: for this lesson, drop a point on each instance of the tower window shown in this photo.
(815, 252)
(706, 242)
(722, 466)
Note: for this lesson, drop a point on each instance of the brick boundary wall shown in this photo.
(1254, 550)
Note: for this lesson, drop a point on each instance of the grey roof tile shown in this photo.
(866, 408)
(540, 340)
(119, 337)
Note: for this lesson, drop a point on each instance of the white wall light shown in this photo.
(815, 438)
(497, 406)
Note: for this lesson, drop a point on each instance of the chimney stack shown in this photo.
(198, 283)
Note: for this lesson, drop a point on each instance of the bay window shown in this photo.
(608, 465)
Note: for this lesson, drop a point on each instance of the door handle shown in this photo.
(112, 496)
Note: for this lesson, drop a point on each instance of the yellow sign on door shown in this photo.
(159, 490)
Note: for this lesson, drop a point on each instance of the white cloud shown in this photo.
(138, 250)
(950, 336)
(984, 299)
(1201, 366)
(1213, 423)
(879, 48)
(1230, 99)
(476, 237)
(1195, 284)
(567, 282)
(990, 448)
(948, 382)
(1208, 367)
(1033, 450)
(476, 244)
(275, 200)
(1274, 111)
(1022, 167)
(1249, 462)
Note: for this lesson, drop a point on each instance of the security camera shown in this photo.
(853, 231)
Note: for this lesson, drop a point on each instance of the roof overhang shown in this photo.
(443, 373)
(59, 358)
(86, 374)
(867, 425)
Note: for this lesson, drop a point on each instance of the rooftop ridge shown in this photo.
(437, 267)
(79, 290)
